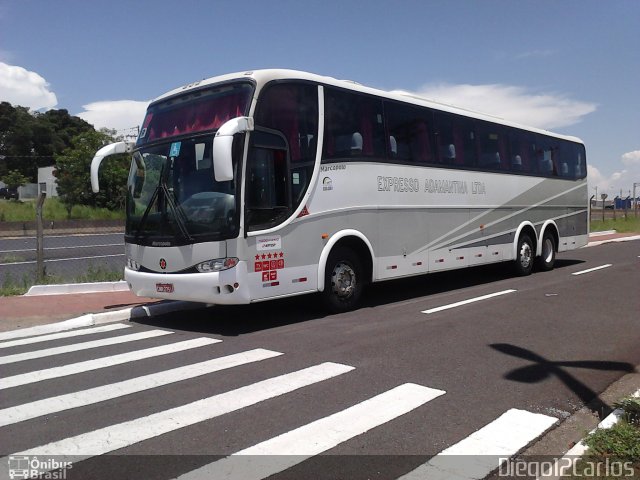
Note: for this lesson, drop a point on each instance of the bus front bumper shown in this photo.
(228, 287)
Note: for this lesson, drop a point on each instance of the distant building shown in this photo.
(47, 182)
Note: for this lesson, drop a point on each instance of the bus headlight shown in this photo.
(217, 265)
(132, 264)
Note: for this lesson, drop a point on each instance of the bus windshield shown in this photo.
(195, 112)
(173, 198)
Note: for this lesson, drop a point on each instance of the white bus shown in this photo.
(272, 183)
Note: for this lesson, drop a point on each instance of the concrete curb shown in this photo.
(621, 239)
(579, 449)
(65, 288)
(92, 319)
(601, 234)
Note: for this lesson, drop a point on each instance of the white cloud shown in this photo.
(517, 104)
(632, 158)
(19, 86)
(621, 180)
(116, 114)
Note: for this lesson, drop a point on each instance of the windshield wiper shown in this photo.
(145, 215)
(178, 213)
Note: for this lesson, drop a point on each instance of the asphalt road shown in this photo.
(67, 256)
(401, 386)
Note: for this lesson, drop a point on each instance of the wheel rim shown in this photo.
(343, 281)
(547, 250)
(525, 255)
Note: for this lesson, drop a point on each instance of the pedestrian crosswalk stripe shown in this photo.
(68, 334)
(286, 450)
(482, 451)
(95, 364)
(122, 435)
(60, 403)
(76, 347)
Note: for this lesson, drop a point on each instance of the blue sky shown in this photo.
(570, 66)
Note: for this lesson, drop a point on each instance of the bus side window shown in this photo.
(445, 143)
(493, 147)
(409, 135)
(520, 147)
(353, 126)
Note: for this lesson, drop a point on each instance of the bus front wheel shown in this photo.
(525, 254)
(343, 282)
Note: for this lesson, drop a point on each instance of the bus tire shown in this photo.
(344, 281)
(525, 254)
(547, 257)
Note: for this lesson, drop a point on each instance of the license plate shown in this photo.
(164, 287)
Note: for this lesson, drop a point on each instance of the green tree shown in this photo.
(29, 140)
(14, 179)
(73, 173)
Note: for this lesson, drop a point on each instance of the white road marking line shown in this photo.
(284, 451)
(76, 347)
(60, 403)
(89, 365)
(62, 259)
(122, 435)
(592, 269)
(56, 336)
(67, 237)
(481, 452)
(465, 302)
(64, 248)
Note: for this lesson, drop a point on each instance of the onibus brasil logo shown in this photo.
(21, 466)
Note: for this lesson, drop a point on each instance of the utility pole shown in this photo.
(603, 196)
(635, 200)
(40, 273)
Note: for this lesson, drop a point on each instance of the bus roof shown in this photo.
(262, 77)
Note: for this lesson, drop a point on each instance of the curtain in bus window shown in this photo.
(421, 145)
(458, 142)
(292, 109)
(193, 117)
(366, 129)
(502, 149)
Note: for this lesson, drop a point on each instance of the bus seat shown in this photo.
(516, 163)
(491, 160)
(546, 166)
(448, 153)
(356, 143)
(349, 144)
(564, 169)
(394, 146)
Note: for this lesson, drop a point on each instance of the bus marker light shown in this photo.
(325, 236)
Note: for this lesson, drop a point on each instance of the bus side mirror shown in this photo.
(111, 149)
(222, 143)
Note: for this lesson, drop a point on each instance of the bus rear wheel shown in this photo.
(525, 254)
(344, 282)
(548, 254)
